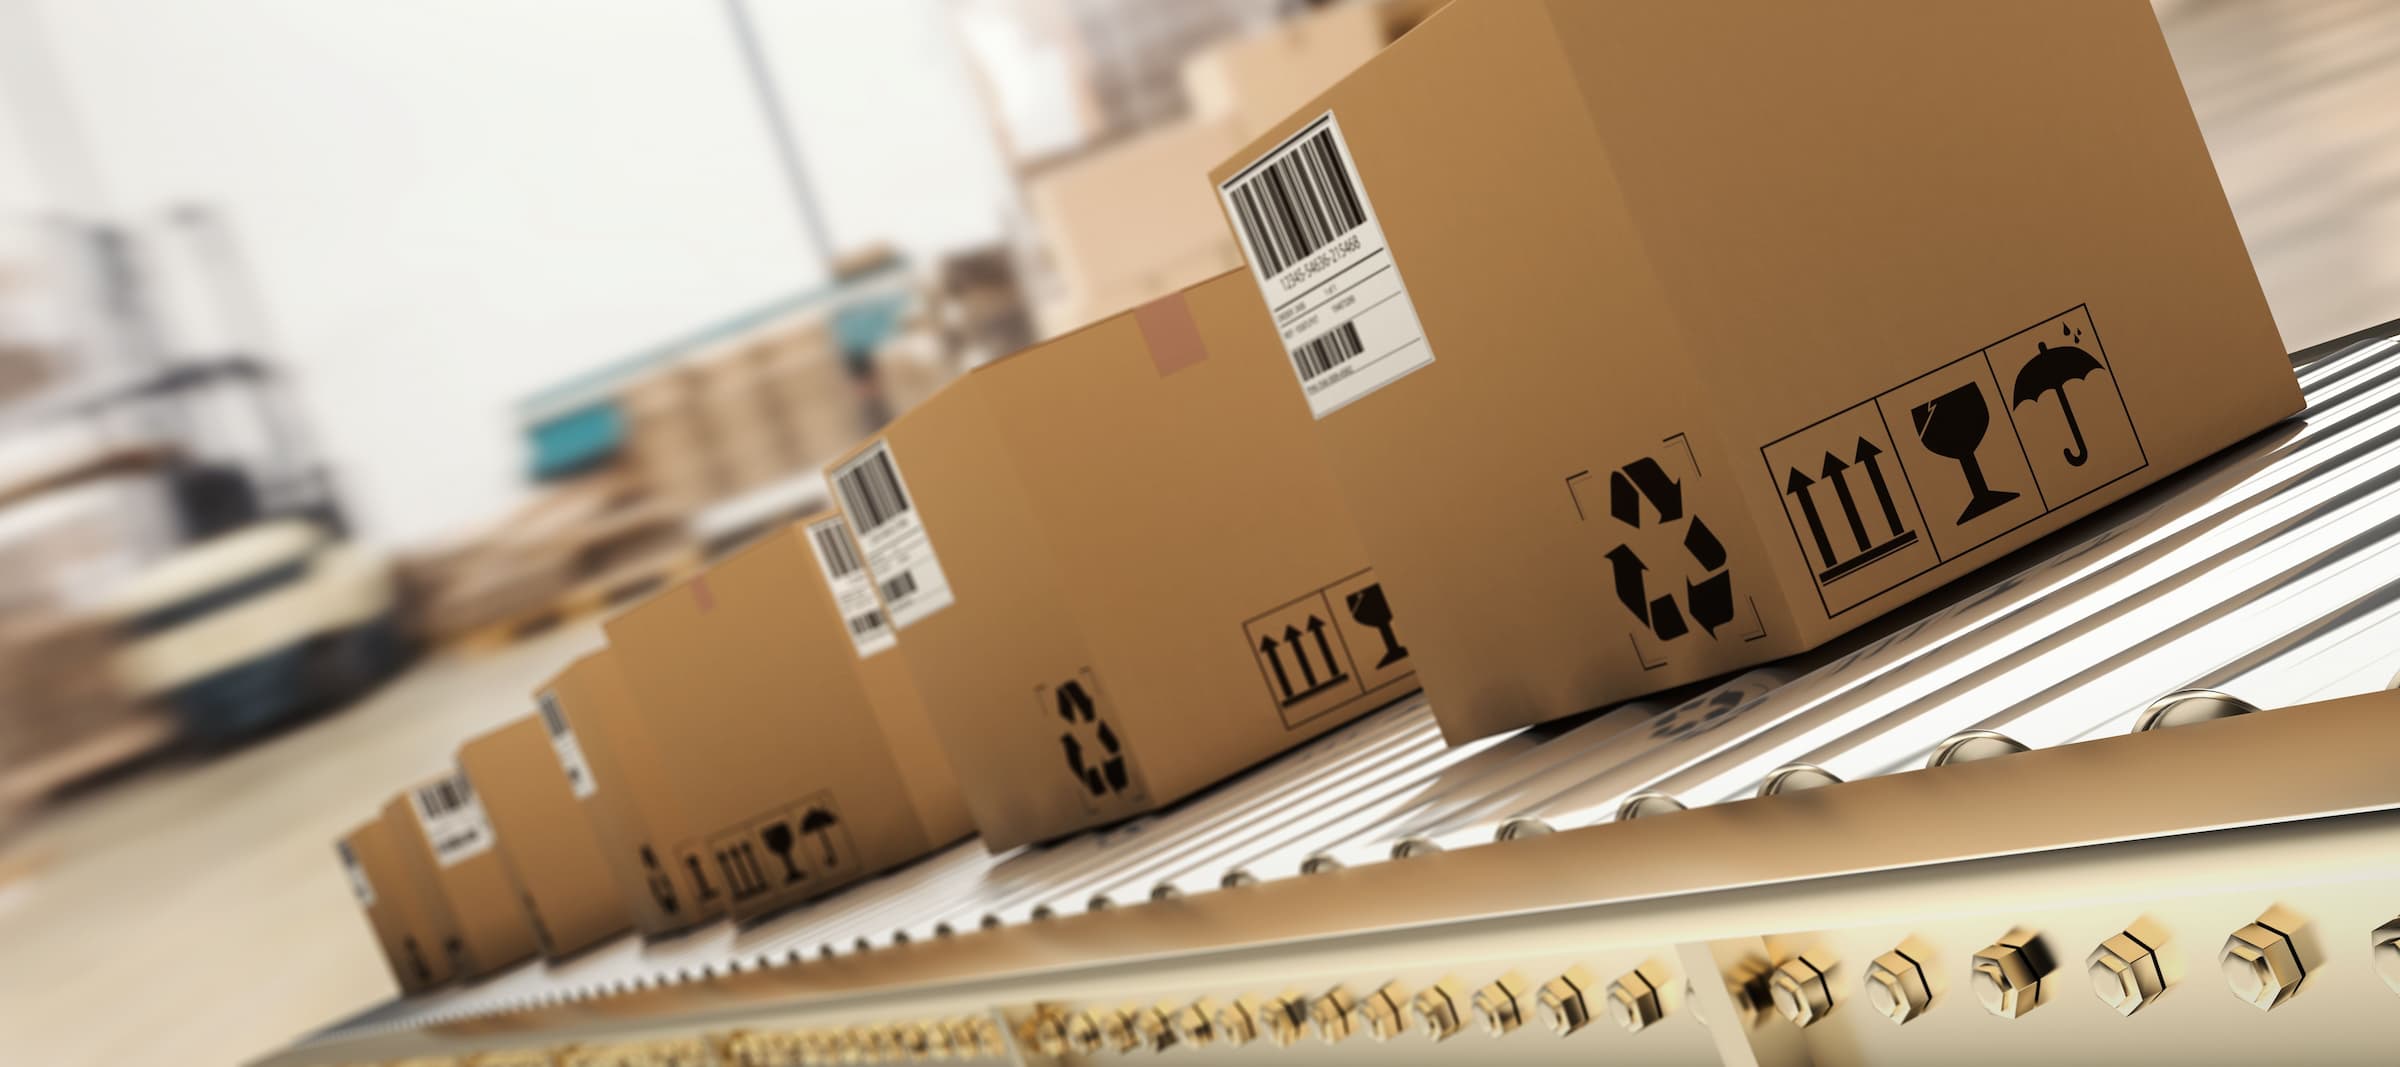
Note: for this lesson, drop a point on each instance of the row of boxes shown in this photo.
(1560, 374)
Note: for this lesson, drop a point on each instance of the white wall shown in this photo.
(451, 203)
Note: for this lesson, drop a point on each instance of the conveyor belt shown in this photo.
(2265, 577)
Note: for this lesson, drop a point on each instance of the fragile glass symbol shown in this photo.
(1952, 425)
(1836, 472)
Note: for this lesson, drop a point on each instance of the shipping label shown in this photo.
(853, 591)
(453, 819)
(899, 556)
(360, 887)
(562, 741)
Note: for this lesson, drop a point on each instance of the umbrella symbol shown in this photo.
(818, 821)
(2050, 370)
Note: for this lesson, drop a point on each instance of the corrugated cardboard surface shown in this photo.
(636, 816)
(546, 840)
(411, 939)
(1153, 573)
(1747, 301)
(483, 916)
(744, 679)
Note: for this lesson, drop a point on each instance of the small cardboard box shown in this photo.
(792, 783)
(1650, 341)
(520, 771)
(1118, 568)
(410, 935)
(615, 773)
(446, 844)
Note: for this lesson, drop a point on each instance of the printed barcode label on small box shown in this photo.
(853, 590)
(563, 742)
(1318, 253)
(898, 554)
(359, 886)
(455, 825)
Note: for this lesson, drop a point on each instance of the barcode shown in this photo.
(1331, 349)
(866, 622)
(443, 797)
(552, 718)
(900, 585)
(1298, 204)
(839, 558)
(871, 491)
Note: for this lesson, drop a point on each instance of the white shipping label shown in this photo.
(1317, 250)
(853, 591)
(453, 820)
(900, 559)
(563, 742)
(359, 886)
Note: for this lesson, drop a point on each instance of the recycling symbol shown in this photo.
(1708, 601)
(1093, 755)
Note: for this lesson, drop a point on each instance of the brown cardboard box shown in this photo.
(445, 842)
(793, 787)
(1119, 570)
(1254, 80)
(1670, 339)
(637, 816)
(528, 780)
(1127, 223)
(411, 938)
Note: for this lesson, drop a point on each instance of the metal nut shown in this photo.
(1500, 1004)
(1121, 1029)
(2007, 974)
(2387, 953)
(2125, 973)
(1083, 1033)
(1800, 992)
(1331, 1014)
(1439, 1006)
(1196, 1024)
(1561, 1001)
(1236, 1023)
(2262, 965)
(1282, 1019)
(1385, 1011)
(1634, 1002)
(1897, 988)
(1157, 1026)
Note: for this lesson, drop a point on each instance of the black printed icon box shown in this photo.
(1145, 564)
(635, 814)
(1953, 459)
(545, 835)
(790, 780)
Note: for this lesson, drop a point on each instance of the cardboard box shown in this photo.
(411, 937)
(793, 786)
(1118, 568)
(1129, 222)
(528, 778)
(446, 846)
(638, 817)
(1254, 80)
(1671, 339)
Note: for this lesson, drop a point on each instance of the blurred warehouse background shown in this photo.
(343, 340)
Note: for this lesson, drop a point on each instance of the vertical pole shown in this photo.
(779, 130)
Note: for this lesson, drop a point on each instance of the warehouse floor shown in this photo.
(192, 913)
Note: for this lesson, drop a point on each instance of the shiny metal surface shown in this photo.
(2270, 573)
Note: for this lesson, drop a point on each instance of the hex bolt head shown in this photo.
(1083, 1033)
(1500, 1004)
(1120, 1029)
(1331, 1014)
(1157, 1026)
(1563, 1005)
(2007, 974)
(1634, 1003)
(2387, 953)
(1282, 1019)
(1385, 1011)
(2262, 966)
(1800, 992)
(1896, 987)
(1236, 1023)
(2125, 973)
(1441, 1006)
(1049, 1033)
(1196, 1024)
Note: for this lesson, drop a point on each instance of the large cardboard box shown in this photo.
(1654, 340)
(1118, 568)
(546, 842)
(792, 782)
(410, 935)
(615, 773)
(445, 842)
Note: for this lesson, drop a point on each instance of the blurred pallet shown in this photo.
(616, 587)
